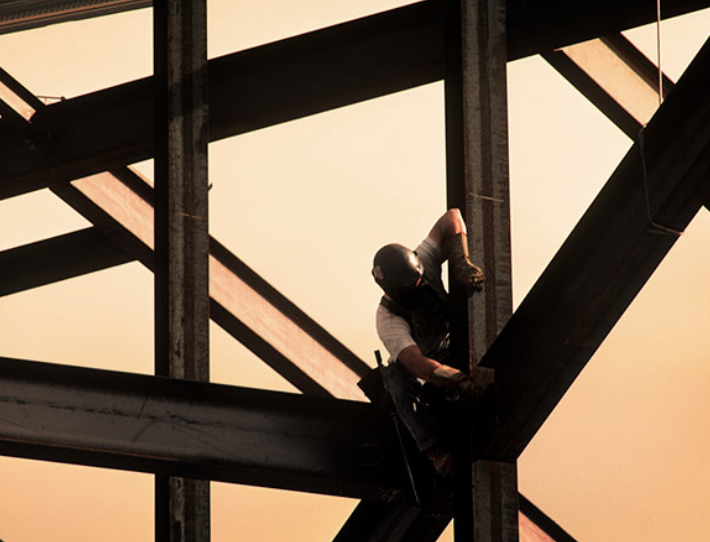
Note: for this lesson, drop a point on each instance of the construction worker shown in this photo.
(412, 323)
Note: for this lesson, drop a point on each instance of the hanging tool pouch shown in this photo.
(374, 388)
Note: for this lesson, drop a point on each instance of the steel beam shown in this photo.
(181, 239)
(632, 224)
(158, 425)
(616, 77)
(244, 304)
(536, 526)
(16, 15)
(300, 76)
(534, 25)
(84, 251)
(198, 430)
(52, 260)
(377, 522)
(252, 89)
(21, 111)
(485, 493)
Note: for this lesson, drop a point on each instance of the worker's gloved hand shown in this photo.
(445, 376)
(471, 390)
(464, 271)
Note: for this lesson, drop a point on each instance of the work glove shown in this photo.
(464, 271)
(447, 377)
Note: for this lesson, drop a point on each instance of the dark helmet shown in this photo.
(397, 269)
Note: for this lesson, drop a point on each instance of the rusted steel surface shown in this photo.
(62, 257)
(194, 429)
(242, 303)
(477, 161)
(649, 200)
(258, 309)
(181, 239)
(495, 508)
(300, 76)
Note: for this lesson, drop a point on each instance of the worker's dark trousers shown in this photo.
(416, 415)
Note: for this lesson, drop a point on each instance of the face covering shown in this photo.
(421, 297)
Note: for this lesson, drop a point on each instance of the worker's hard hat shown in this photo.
(397, 269)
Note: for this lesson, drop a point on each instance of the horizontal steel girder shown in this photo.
(193, 429)
(534, 23)
(239, 435)
(292, 78)
(243, 303)
(18, 15)
(59, 258)
(632, 224)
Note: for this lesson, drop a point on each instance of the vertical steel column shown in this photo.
(181, 236)
(485, 507)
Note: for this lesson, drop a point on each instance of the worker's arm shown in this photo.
(449, 232)
(438, 374)
(417, 363)
(449, 225)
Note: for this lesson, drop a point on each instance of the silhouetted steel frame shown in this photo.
(292, 78)
(671, 215)
(347, 366)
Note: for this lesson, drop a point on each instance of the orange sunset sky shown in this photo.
(306, 204)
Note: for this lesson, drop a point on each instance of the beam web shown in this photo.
(181, 237)
(485, 507)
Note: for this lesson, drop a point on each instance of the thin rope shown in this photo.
(658, 51)
(659, 228)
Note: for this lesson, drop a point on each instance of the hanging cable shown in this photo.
(658, 51)
(655, 226)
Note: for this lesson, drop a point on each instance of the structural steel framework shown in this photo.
(192, 431)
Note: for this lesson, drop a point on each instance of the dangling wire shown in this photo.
(656, 227)
(658, 51)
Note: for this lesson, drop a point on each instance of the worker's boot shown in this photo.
(466, 273)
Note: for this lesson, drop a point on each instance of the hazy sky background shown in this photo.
(306, 204)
